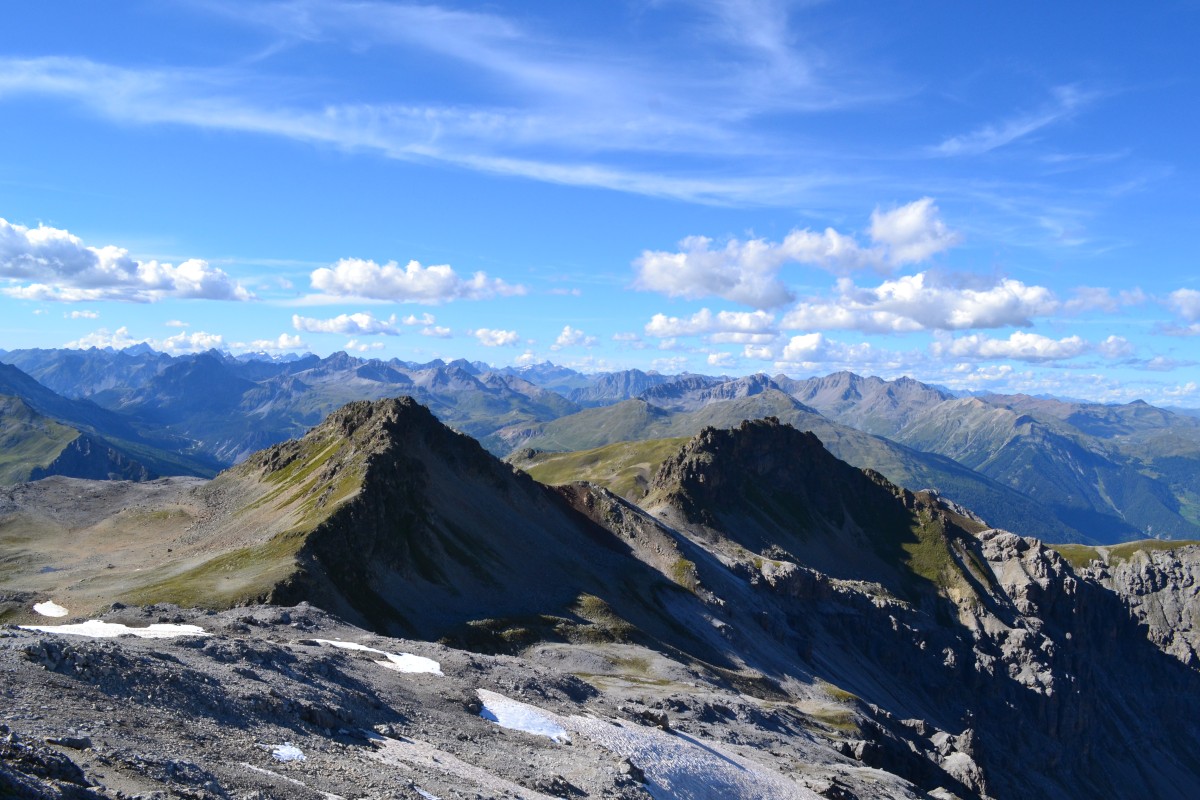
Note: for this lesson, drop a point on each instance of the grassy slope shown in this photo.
(624, 468)
(28, 440)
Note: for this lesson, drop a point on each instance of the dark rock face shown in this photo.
(91, 457)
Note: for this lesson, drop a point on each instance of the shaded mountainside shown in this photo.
(848, 621)
(389, 518)
(986, 635)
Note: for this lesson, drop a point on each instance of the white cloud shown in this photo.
(413, 319)
(413, 283)
(811, 349)
(911, 233)
(741, 273)
(284, 342)
(1185, 303)
(196, 342)
(1115, 347)
(1067, 100)
(81, 315)
(362, 347)
(360, 324)
(51, 264)
(572, 337)
(759, 352)
(920, 302)
(436, 331)
(705, 322)
(490, 337)
(670, 365)
(748, 272)
(175, 323)
(118, 339)
(722, 360)
(1095, 298)
(1020, 346)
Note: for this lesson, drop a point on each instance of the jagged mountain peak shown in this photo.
(771, 489)
(717, 468)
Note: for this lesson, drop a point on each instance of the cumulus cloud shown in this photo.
(911, 233)
(118, 340)
(413, 319)
(722, 360)
(81, 315)
(360, 324)
(811, 349)
(51, 264)
(196, 342)
(704, 322)
(572, 337)
(1029, 347)
(282, 343)
(490, 337)
(413, 283)
(176, 323)
(740, 272)
(436, 331)
(1185, 303)
(920, 302)
(362, 347)
(748, 272)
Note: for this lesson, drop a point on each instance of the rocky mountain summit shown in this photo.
(767, 621)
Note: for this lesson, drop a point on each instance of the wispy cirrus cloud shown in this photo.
(1066, 101)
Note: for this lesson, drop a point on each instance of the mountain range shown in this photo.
(1063, 471)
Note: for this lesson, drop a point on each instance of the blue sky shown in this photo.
(985, 196)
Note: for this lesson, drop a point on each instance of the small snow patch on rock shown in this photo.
(50, 609)
(400, 662)
(515, 715)
(287, 752)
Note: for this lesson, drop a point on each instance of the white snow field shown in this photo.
(677, 766)
(98, 629)
(50, 608)
(400, 662)
(509, 713)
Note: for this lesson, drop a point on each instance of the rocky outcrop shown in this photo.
(1160, 585)
(90, 456)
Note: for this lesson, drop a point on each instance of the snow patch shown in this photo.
(287, 752)
(50, 609)
(513, 714)
(98, 629)
(400, 662)
(678, 766)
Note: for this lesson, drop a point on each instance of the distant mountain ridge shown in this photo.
(1065, 470)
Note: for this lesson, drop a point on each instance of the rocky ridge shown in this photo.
(764, 595)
